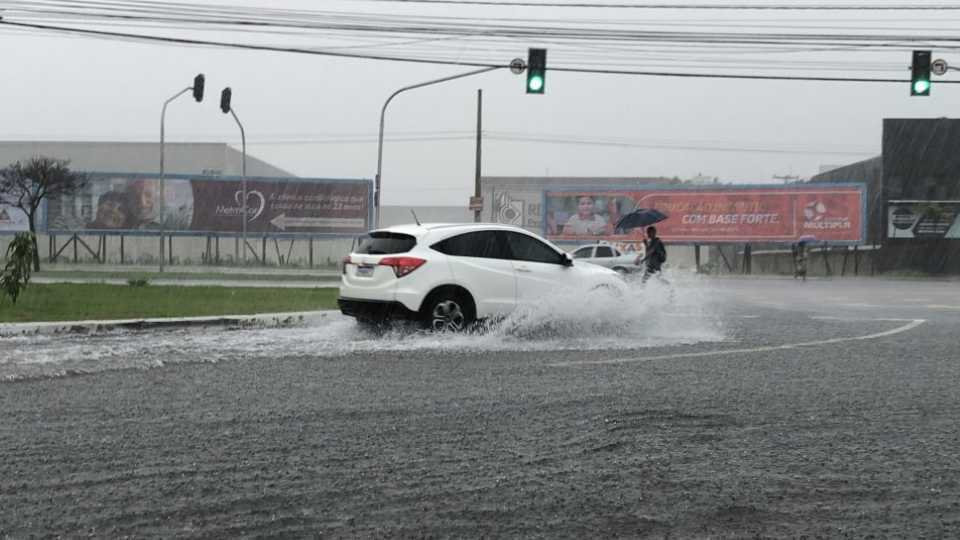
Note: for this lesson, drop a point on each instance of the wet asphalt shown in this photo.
(830, 410)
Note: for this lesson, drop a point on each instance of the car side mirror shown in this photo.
(567, 259)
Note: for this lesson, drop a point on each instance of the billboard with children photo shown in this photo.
(131, 203)
(736, 214)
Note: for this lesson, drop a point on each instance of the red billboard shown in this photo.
(829, 213)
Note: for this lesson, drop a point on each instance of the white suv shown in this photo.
(448, 276)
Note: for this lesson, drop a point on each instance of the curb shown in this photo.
(106, 326)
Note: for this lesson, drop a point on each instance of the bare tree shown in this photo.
(25, 185)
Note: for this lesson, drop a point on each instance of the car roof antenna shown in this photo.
(415, 217)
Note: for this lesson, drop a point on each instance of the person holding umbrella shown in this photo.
(800, 257)
(655, 254)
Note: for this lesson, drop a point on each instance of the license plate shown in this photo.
(364, 271)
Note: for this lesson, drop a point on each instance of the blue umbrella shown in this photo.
(641, 217)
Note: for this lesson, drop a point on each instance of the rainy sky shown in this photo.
(317, 115)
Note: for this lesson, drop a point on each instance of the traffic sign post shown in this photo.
(939, 66)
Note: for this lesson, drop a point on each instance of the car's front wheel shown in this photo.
(447, 311)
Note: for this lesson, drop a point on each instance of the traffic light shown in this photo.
(920, 70)
(536, 71)
(198, 87)
(225, 99)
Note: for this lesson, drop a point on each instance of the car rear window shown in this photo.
(383, 243)
(483, 244)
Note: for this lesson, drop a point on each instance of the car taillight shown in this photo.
(402, 265)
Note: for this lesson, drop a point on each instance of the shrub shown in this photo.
(16, 273)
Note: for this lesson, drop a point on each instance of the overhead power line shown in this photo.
(512, 136)
(660, 5)
(435, 61)
(87, 12)
(662, 145)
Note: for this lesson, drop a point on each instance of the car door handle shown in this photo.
(523, 269)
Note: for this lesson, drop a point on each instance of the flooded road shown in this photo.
(709, 408)
(647, 317)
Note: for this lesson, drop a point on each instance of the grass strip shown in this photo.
(197, 276)
(42, 302)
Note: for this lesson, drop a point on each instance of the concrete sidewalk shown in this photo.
(96, 327)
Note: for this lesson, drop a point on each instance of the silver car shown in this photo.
(603, 254)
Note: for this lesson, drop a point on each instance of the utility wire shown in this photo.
(667, 145)
(435, 61)
(521, 137)
(466, 26)
(728, 7)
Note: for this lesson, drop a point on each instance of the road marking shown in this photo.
(689, 315)
(898, 330)
(856, 319)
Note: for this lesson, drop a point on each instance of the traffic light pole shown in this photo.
(243, 185)
(476, 179)
(383, 111)
(163, 116)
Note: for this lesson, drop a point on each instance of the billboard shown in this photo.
(923, 219)
(832, 213)
(12, 219)
(131, 203)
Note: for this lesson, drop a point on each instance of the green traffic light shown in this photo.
(921, 86)
(535, 83)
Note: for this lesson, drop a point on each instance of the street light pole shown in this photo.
(225, 98)
(383, 111)
(476, 179)
(163, 116)
(243, 182)
(197, 88)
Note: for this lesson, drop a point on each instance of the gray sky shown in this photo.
(59, 87)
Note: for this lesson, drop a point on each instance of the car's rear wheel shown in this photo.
(447, 311)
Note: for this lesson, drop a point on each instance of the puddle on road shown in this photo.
(655, 314)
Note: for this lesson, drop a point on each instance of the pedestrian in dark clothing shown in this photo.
(800, 260)
(655, 254)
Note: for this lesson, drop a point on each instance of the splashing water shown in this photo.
(648, 315)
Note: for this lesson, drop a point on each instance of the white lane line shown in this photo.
(900, 329)
(689, 315)
(855, 319)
